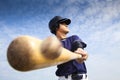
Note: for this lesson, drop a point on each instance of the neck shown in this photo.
(61, 36)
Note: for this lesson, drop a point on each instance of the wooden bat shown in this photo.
(27, 53)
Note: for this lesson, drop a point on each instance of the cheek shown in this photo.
(61, 28)
(66, 28)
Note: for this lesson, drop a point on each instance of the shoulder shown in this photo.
(71, 38)
(75, 37)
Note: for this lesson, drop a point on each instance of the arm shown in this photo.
(83, 53)
(77, 46)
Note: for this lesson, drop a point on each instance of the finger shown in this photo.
(77, 52)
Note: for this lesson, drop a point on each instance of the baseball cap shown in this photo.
(54, 22)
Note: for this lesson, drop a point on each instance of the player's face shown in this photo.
(63, 27)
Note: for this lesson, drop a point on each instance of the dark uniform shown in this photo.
(72, 67)
(76, 70)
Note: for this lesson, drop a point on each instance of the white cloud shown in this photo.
(101, 29)
(98, 24)
(109, 35)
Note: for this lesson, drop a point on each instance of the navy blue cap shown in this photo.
(54, 22)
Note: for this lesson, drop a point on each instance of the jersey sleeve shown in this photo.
(77, 43)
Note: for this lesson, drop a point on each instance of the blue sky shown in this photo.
(97, 22)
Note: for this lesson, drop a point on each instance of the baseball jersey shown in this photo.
(72, 43)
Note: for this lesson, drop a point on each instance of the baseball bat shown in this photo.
(27, 53)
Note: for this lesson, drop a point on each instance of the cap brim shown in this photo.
(67, 21)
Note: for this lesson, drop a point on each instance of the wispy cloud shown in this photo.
(98, 25)
(95, 21)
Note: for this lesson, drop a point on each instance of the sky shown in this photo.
(96, 22)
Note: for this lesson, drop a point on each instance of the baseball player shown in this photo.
(74, 69)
